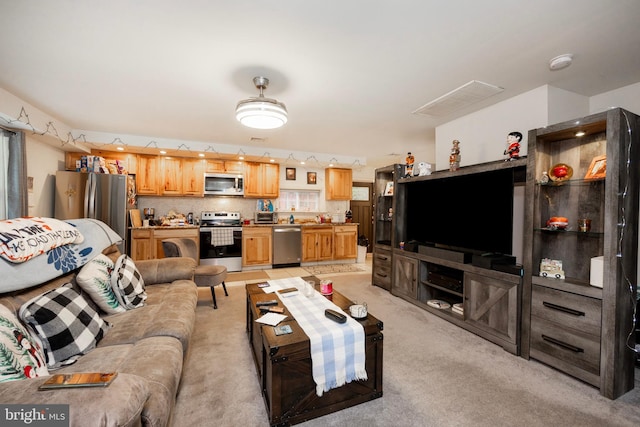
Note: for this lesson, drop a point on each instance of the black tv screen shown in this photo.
(472, 213)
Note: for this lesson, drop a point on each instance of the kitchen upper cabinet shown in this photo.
(224, 166)
(345, 242)
(317, 243)
(113, 158)
(192, 177)
(256, 246)
(262, 180)
(338, 183)
(171, 176)
(182, 177)
(147, 174)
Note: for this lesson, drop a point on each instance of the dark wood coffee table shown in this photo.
(285, 371)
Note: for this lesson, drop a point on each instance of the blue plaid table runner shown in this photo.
(337, 350)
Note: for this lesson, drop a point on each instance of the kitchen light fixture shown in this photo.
(261, 112)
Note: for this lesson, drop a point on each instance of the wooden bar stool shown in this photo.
(204, 275)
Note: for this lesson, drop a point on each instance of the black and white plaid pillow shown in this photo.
(127, 283)
(66, 324)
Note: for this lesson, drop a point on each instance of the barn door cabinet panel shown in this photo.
(405, 277)
(567, 322)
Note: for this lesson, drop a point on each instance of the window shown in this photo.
(301, 201)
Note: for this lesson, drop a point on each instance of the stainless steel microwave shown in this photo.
(223, 184)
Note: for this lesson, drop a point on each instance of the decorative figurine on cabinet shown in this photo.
(408, 167)
(454, 158)
(424, 169)
(513, 146)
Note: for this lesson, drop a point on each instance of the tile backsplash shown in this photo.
(246, 207)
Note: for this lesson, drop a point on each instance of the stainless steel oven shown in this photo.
(221, 240)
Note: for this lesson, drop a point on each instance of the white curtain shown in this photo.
(13, 179)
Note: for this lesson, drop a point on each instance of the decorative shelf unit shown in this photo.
(384, 224)
(583, 330)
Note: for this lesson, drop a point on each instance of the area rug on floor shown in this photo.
(333, 268)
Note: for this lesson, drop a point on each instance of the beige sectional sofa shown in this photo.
(146, 346)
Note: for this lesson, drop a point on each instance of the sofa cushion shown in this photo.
(21, 356)
(95, 279)
(65, 323)
(127, 283)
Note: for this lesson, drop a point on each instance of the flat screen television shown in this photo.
(469, 213)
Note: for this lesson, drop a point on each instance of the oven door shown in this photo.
(217, 251)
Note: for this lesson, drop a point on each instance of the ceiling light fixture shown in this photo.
(261, 112)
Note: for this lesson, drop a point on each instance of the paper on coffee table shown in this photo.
(271, 319)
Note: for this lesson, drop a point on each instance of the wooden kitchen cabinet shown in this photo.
(338, 183)
(147, 171)
(317, 243)
(224, 166)
(182, 177)
(262, 180)
(256, 246)
(146, 243)
(128, 161)
(192, 177)
(141, 247)
(345, 242)
(171, 176)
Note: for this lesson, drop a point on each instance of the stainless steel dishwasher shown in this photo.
(287, 245)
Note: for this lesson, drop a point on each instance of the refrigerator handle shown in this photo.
(87, 190)
(92, 196)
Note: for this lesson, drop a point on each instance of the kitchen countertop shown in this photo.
(307, 224)
(166, 227)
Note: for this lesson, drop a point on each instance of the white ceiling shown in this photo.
(351, 72)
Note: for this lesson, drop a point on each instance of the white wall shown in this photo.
(43, 161)
(627, 97)
(483, 134)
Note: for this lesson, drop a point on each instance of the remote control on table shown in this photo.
(335, 316)
(265, 303)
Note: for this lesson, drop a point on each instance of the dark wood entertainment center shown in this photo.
(578, 328)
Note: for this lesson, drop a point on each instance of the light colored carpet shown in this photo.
(334, 268)
(435, 374)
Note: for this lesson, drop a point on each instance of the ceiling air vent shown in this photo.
(464, 96)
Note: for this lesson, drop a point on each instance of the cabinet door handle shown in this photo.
(384, 258)
(381, 275)
(563, 309)
(563, 344)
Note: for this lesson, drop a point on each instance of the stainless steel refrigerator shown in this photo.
(106, 197)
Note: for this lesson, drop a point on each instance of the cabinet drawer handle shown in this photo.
(563, 309)
(563, 344)
(381, 275)
(384, 258)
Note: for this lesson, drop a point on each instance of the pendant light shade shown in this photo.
(261, 112)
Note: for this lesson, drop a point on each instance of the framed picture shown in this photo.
(291, 174)
(598, 168)
(311, 178)
(388, 189)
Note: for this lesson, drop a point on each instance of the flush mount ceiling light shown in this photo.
(261, 112)
(560, 62)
